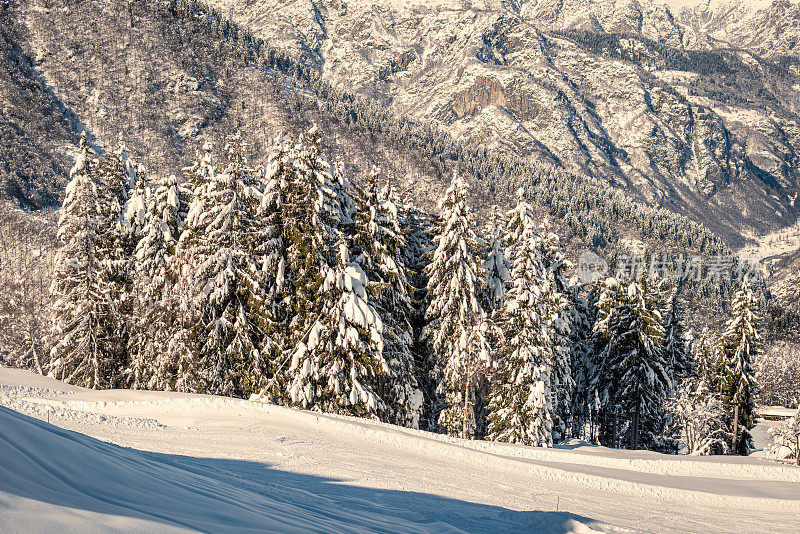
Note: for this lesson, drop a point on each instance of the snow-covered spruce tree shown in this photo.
(117, 176)
(338, 364)
(603, 383)
(156, 309)
(559, 318)
(80, 352)
(709, 362)
(496, 268)
(645, 378)
(787, 436)
(136, 215)
(276, 271)
(338, 335)
(222, 229)
(454, 314)
(631, 376)
(739, 345)
(583, 315)
(377, 246)
(311, 228)
(677, 352)
(519, 405)
(493, 294)
(419, 229)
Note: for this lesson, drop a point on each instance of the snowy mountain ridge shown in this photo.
(626, 91)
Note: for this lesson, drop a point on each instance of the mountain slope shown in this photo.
(35, 133)
(769, 28)
(607, 88)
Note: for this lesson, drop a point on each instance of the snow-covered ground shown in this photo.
(144, 461)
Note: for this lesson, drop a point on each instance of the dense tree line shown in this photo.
(286, 283)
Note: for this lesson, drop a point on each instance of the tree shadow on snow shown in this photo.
(45, 463)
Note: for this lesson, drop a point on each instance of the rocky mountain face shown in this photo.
(36, 131)
(691, 111)
(768, 28)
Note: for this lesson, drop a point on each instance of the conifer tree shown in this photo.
(116, 177)
(559, 319)
(676, 350)
(80, 349)
(337, 357)
(630, 376)
(644, 375)
(312, 220)
(418, 230)
(454, 314)
(739, 345)
(222, 228)
(496, 269)
(337, 366)
(277, 272)
(704, 358)
(603, 382)
(136, 216)
(583, 315)
(155, 365)
(377, 247)
(519, 407)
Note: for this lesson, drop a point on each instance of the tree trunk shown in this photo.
(466, 406)
(734, 448)
(635, 428)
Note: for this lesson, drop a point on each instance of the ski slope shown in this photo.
(124, 460)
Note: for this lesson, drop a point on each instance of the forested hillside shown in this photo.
(235, 224)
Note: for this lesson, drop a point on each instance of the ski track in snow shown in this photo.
(124, 460)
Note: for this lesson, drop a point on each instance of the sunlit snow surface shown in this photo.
(146, 461)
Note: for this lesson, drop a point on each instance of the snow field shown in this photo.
(230, 442)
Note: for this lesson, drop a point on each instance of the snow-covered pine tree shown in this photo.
(222, 229)
(419, 229)
(311, 221)
(519, 406)
(154, 364)
(337, 334)
(137, 213)
(739, 345)
(493, 295)
(631, 376)
(603, 381)
(337, 366)
(583, 315)
(80, 350)
(560, 315)
(277, 272)
(116, 176)
(377, 247)
(454, 313)
(677, 353)
(704, 358)
(645, 381)
(201, 171)
(496, 267)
